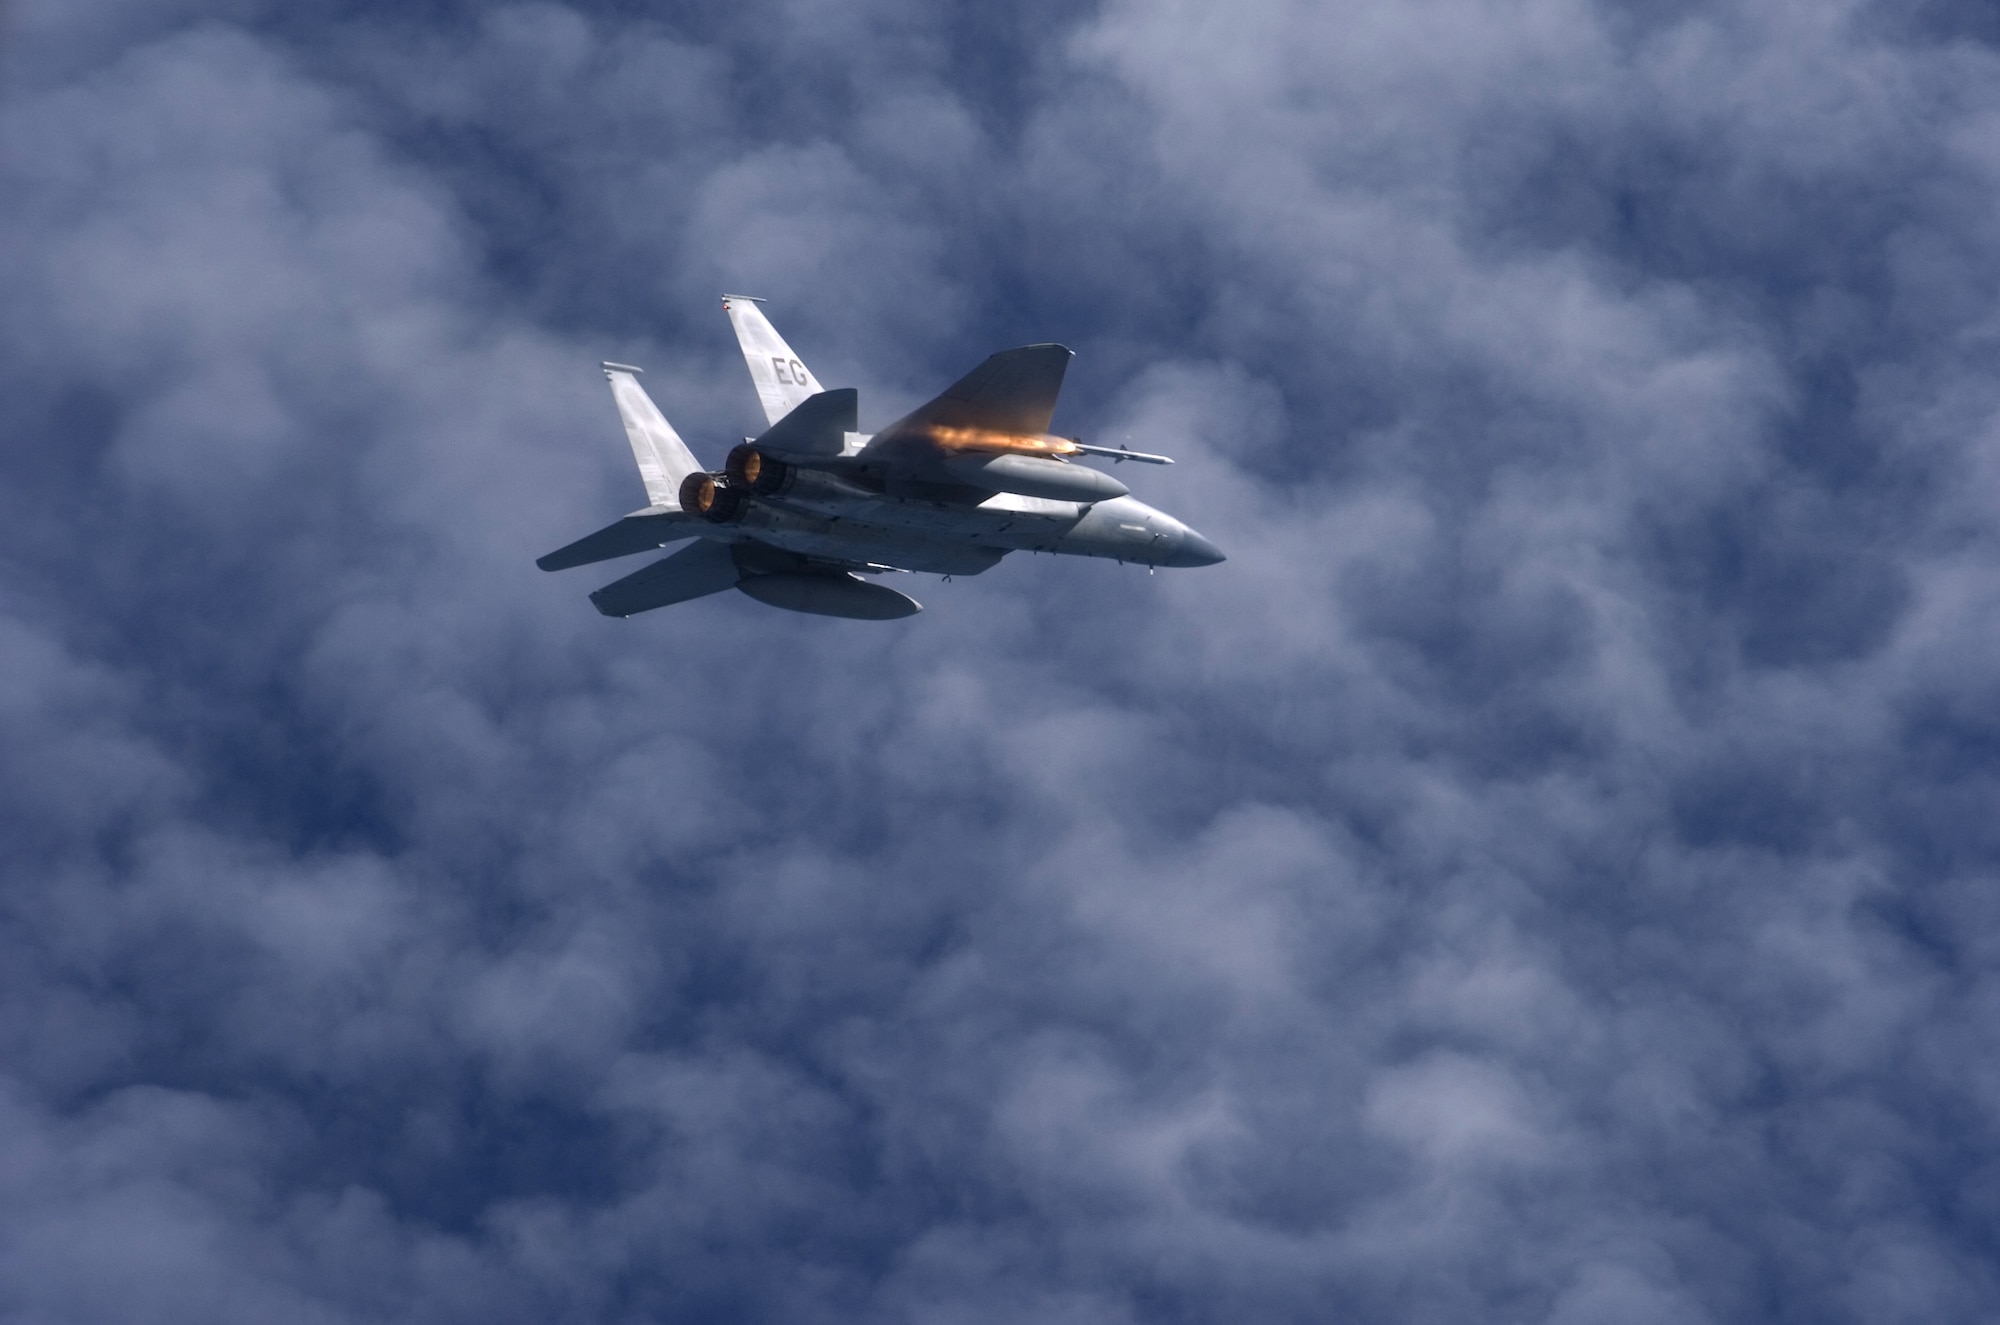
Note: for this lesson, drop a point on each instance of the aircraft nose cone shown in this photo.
(1195, 551)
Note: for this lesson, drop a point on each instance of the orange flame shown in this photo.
(982, 439)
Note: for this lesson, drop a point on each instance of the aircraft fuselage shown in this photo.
(955, 538)
(803, 516)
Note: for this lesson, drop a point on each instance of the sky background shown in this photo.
(1546, 874)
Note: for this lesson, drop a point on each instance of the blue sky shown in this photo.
(1546, 874)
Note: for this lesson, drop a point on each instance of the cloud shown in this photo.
(1541, 874)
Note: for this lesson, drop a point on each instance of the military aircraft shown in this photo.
(796, 517)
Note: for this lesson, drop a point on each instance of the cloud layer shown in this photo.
(1545, 874)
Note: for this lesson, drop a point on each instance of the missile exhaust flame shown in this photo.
(1042, 444)
(982, 439)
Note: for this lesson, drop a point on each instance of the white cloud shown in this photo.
(1541, 874)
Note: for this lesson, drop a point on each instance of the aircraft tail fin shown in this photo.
(783, 381)
(663, 457)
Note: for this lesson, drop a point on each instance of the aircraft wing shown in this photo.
(1012, 394)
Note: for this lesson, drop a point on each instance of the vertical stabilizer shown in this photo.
(783, 382)
(663, 457)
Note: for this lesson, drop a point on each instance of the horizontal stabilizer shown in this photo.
(693, 572)
(641, 531)
(817, 427)
(1033, 476)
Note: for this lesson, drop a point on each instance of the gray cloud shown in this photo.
(1540, 875)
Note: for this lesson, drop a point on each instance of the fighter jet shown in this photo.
(798, 516)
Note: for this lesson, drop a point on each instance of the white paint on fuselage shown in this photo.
(961, 540)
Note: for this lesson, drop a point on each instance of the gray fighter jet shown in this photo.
(795, 518)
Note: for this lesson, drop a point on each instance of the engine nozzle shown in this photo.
(750, 468)
(715, 502)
